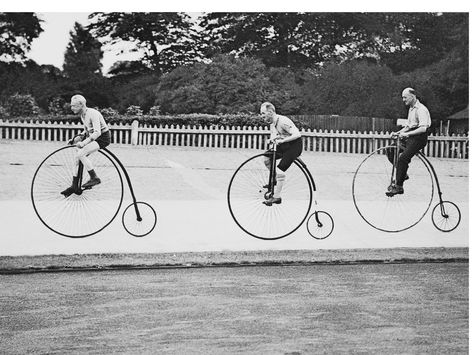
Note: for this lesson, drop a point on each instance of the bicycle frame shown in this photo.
(272, 176)
(129, 182)
(124, 171)
(433, 173)
(431, 169)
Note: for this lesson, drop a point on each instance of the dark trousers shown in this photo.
(408, 149)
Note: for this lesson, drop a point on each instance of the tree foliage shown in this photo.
(83, 54)
(305, 63)
(18, 30)
(356, 88)
(166, 39)
(226, 85)
(295, 40)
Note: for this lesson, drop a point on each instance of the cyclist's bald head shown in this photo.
(267, 106)
(78, 99)
(408, 91)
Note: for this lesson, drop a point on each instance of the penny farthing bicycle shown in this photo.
(86, 211)
(253, 182)
(400, 212)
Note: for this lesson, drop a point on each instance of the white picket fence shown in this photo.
(230, 137)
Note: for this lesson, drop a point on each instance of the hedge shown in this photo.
(182, 119)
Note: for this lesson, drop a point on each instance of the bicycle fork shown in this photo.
(272, 175)
(393, 179)
(80, 171)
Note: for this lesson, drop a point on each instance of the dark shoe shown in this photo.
(272, 200)
(69, 191)
(394, 190)
(91, 182)
(406, 178)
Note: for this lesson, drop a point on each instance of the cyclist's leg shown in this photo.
(267, 160)
(71, 189)
(390, 153)
(82, 155)
(292, 152)
(413, 145)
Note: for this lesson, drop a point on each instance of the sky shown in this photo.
(51, 44)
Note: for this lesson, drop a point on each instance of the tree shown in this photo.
(166, 39)
(424, 39)
(355, 88)
(127, 69)
(42, 82)
(274, 38)
(295, 40)
(83, 54)
(227, 85)
(18, 29)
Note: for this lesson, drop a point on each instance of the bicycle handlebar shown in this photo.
(272, 145)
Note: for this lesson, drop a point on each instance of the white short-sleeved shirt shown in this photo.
(283, 127)
(418, 115)
(94, 123)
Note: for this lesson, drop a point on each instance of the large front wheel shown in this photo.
(397, 213)
(84, 212)
(246, 194)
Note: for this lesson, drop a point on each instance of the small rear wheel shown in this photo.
(320, 225)
(139, 219)
(446, 216)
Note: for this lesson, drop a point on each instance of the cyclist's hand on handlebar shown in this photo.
(80, 144)
(277, 140)
(77, 138)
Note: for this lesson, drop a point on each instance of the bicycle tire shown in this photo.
(245, 196)
(397, 213)
(451, 218)
(78, 215)
(320, 231)
(143, 227)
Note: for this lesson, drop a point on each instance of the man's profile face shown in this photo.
(408, 98)
(76, 107)
(266, 114)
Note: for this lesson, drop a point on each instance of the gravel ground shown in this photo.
(318, 309)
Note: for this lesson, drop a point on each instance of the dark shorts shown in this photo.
(288, 152)
(104, 139)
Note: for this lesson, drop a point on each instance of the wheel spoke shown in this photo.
(81, 215)
(397, 213)
(246, 196)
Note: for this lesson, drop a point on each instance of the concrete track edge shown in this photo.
(122, 261)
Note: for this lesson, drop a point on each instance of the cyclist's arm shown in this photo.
(424, 122)
(273, 133)
(414, 132)
(293, 131)
(95, 130)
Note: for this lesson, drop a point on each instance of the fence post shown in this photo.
(134, 134)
